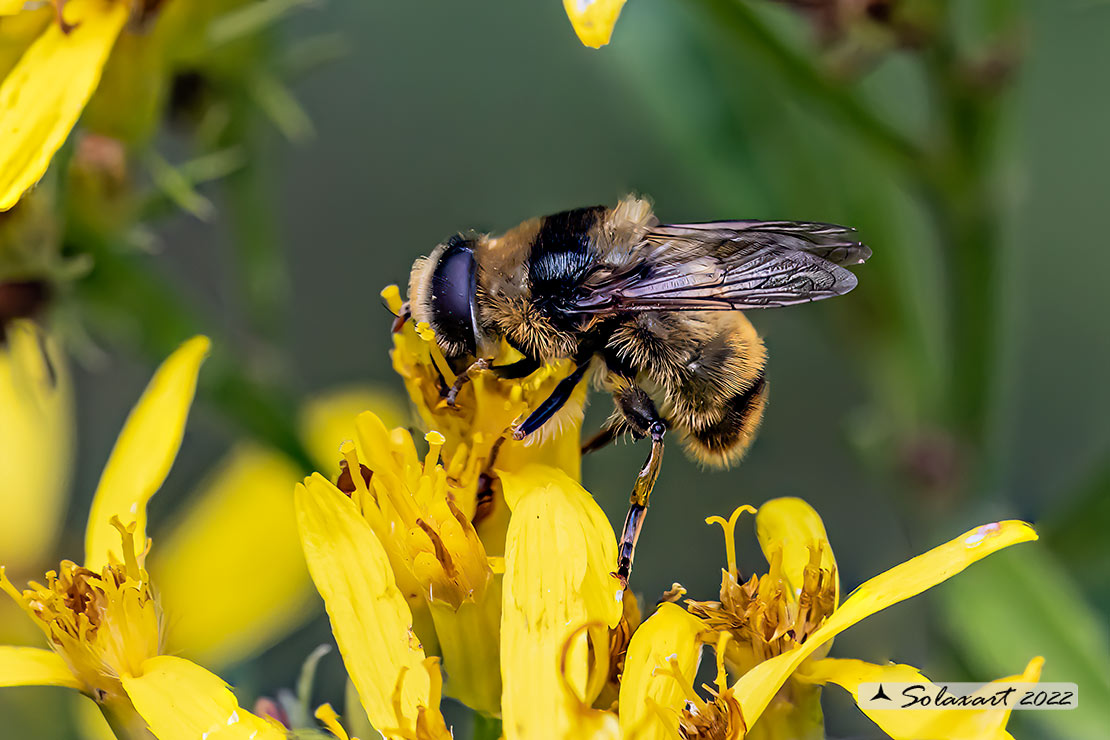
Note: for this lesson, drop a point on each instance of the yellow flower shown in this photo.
(101, 619)
(35, 444)
(549, 649)
(938, 723)
(240, 517)
(593, 20)
(780, 627)
(538, 637)
(43, 95)
(555, 603)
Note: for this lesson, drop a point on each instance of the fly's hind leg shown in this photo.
(638, 410)
(601, 440)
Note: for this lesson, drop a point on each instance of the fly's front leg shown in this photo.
(464, 377)
(519, 369)
(553, 403)
(640, 413)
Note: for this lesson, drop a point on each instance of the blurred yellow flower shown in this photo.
(593, 20)
(43, 94)
(102, 620)
(36, 444)
(241, 516)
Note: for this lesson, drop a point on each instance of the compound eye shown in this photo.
(454, 288)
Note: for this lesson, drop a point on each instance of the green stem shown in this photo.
(125, 722)
(485, 727)
(805, 77)
(121, 285)
(263, 273)
(960, 189)
(468, 642)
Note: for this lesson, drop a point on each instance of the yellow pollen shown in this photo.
(435, 442)
(424, 330)
(392, 296)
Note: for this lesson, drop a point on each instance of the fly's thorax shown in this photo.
(623, 227)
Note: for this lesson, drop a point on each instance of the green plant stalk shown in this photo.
(124, 720)
(954, 174)
(485, 728)
(469, 644)
(121, 285)
(966, 207)
(263, 273)
(798, 71)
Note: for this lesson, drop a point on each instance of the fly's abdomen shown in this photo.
(716, 398)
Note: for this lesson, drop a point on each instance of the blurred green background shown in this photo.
(442, 117)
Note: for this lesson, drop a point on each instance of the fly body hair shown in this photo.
(708, 368)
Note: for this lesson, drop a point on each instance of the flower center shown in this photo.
(764, 614)
(103, 624)
(717, 718)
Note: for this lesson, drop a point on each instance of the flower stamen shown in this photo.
(729, 528)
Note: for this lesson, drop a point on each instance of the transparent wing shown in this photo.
(727, 265)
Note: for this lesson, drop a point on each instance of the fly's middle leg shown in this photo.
(645, 421)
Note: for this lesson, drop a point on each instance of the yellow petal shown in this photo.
(236, 552)
(559, 553)
(330, 719)
(18, 32)
(792, 525)
(11, 7)
(938, 724)
(144, 452)
(756, 688)
(328, 420)
(43, 95)
(27, 666)
(36, 431)
(669, 634)
(182, 701)
(593, 20)
(369, 617)
(470, 647)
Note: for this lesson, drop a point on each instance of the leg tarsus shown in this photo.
(517, 370)
(462, 378)
(552, 404)
(641, 496)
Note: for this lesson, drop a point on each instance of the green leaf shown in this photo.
(276, 101)
(1021, 603)
(176, 186)
(250, 19)
(307, 680)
